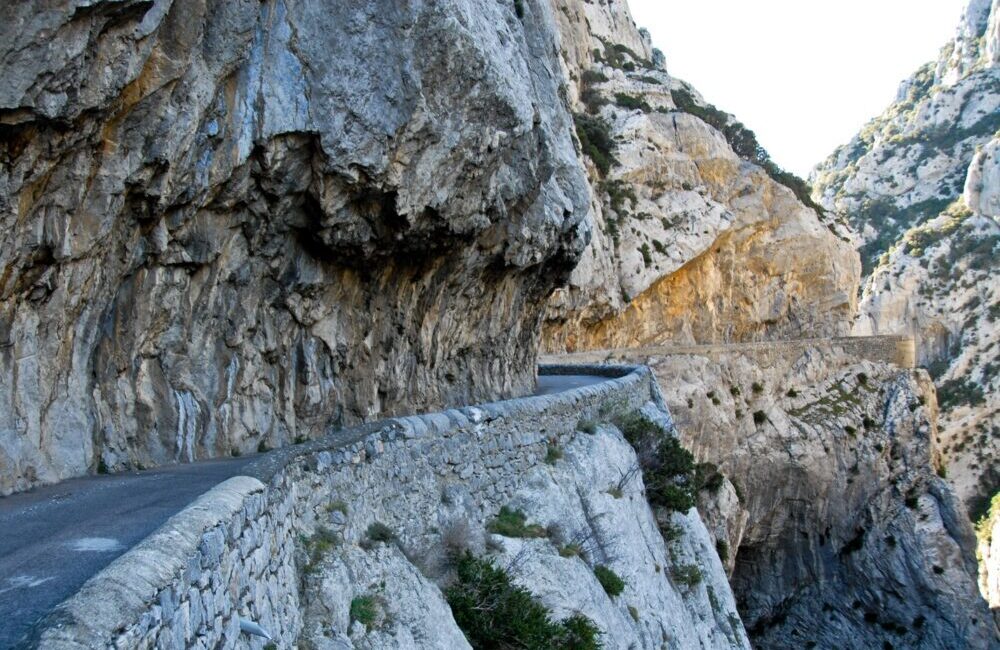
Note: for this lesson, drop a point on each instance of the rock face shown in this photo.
(921, 185)
(224, 227)
(695, 240)
(988, 552)
(675, 593)
(843, 531)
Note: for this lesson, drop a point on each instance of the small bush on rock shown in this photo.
(596, 141)
(587, 426)
(668, 468)
(378, 533)
(722, 548)
(493, 612)
(514, 523)
(688, 575)
(553, 454)
(571, 550)
(612, 583)
(364, 610)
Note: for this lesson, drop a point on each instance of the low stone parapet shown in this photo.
(897, 350)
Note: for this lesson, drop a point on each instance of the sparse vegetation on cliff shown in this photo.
(596, 141)
(668, 468)
(744, 143)
(493, 612)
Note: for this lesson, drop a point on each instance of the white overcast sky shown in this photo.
(805, 75)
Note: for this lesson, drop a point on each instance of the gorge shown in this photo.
(283, 227)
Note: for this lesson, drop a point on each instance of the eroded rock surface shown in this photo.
(226, 226)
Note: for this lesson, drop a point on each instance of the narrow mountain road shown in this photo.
(54, 538)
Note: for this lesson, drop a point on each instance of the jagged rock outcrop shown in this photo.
(225, 226)
(920, 184)
(695, 239)
(844, 536)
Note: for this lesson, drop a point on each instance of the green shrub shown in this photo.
(493, 612)
(630, 102)
(596, 141)
(708, 477)
(571, 550)
(338, 505)
(379, 532)
(759, 417)
(792, 392)
(757, 387)
(647, 256)
(636, 427)
(364, 610)
(722, 548)
(618, 192)
(688, 575)
(513, 523)
(612, 583)
(668, 468)
(587, 426)
(958, 392)
(553, 454)
(593, 77)
(734, 391)
(317, 546)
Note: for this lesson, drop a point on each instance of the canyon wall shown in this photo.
(698, 237)
(833, 519)
(920, 186)
(227, 226)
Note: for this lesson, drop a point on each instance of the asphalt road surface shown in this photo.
(54, 538)
(549, 384)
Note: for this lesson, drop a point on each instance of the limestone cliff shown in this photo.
(843, 532)
(225, 226)
(920, 184)
(698, 236)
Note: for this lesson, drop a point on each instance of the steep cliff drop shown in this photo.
(227, 226)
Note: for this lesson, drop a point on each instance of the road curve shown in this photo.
(54, 538)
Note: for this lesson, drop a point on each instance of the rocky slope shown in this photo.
(842, 530)
(920, 184)
(689, 213)
(581, 511)
(227, 226)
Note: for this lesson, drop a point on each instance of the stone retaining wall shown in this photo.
(231, 555)
(898, 350)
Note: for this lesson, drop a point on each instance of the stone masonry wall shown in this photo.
(898, 350)
(231, 554)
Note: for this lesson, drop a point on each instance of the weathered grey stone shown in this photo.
(312, 209)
